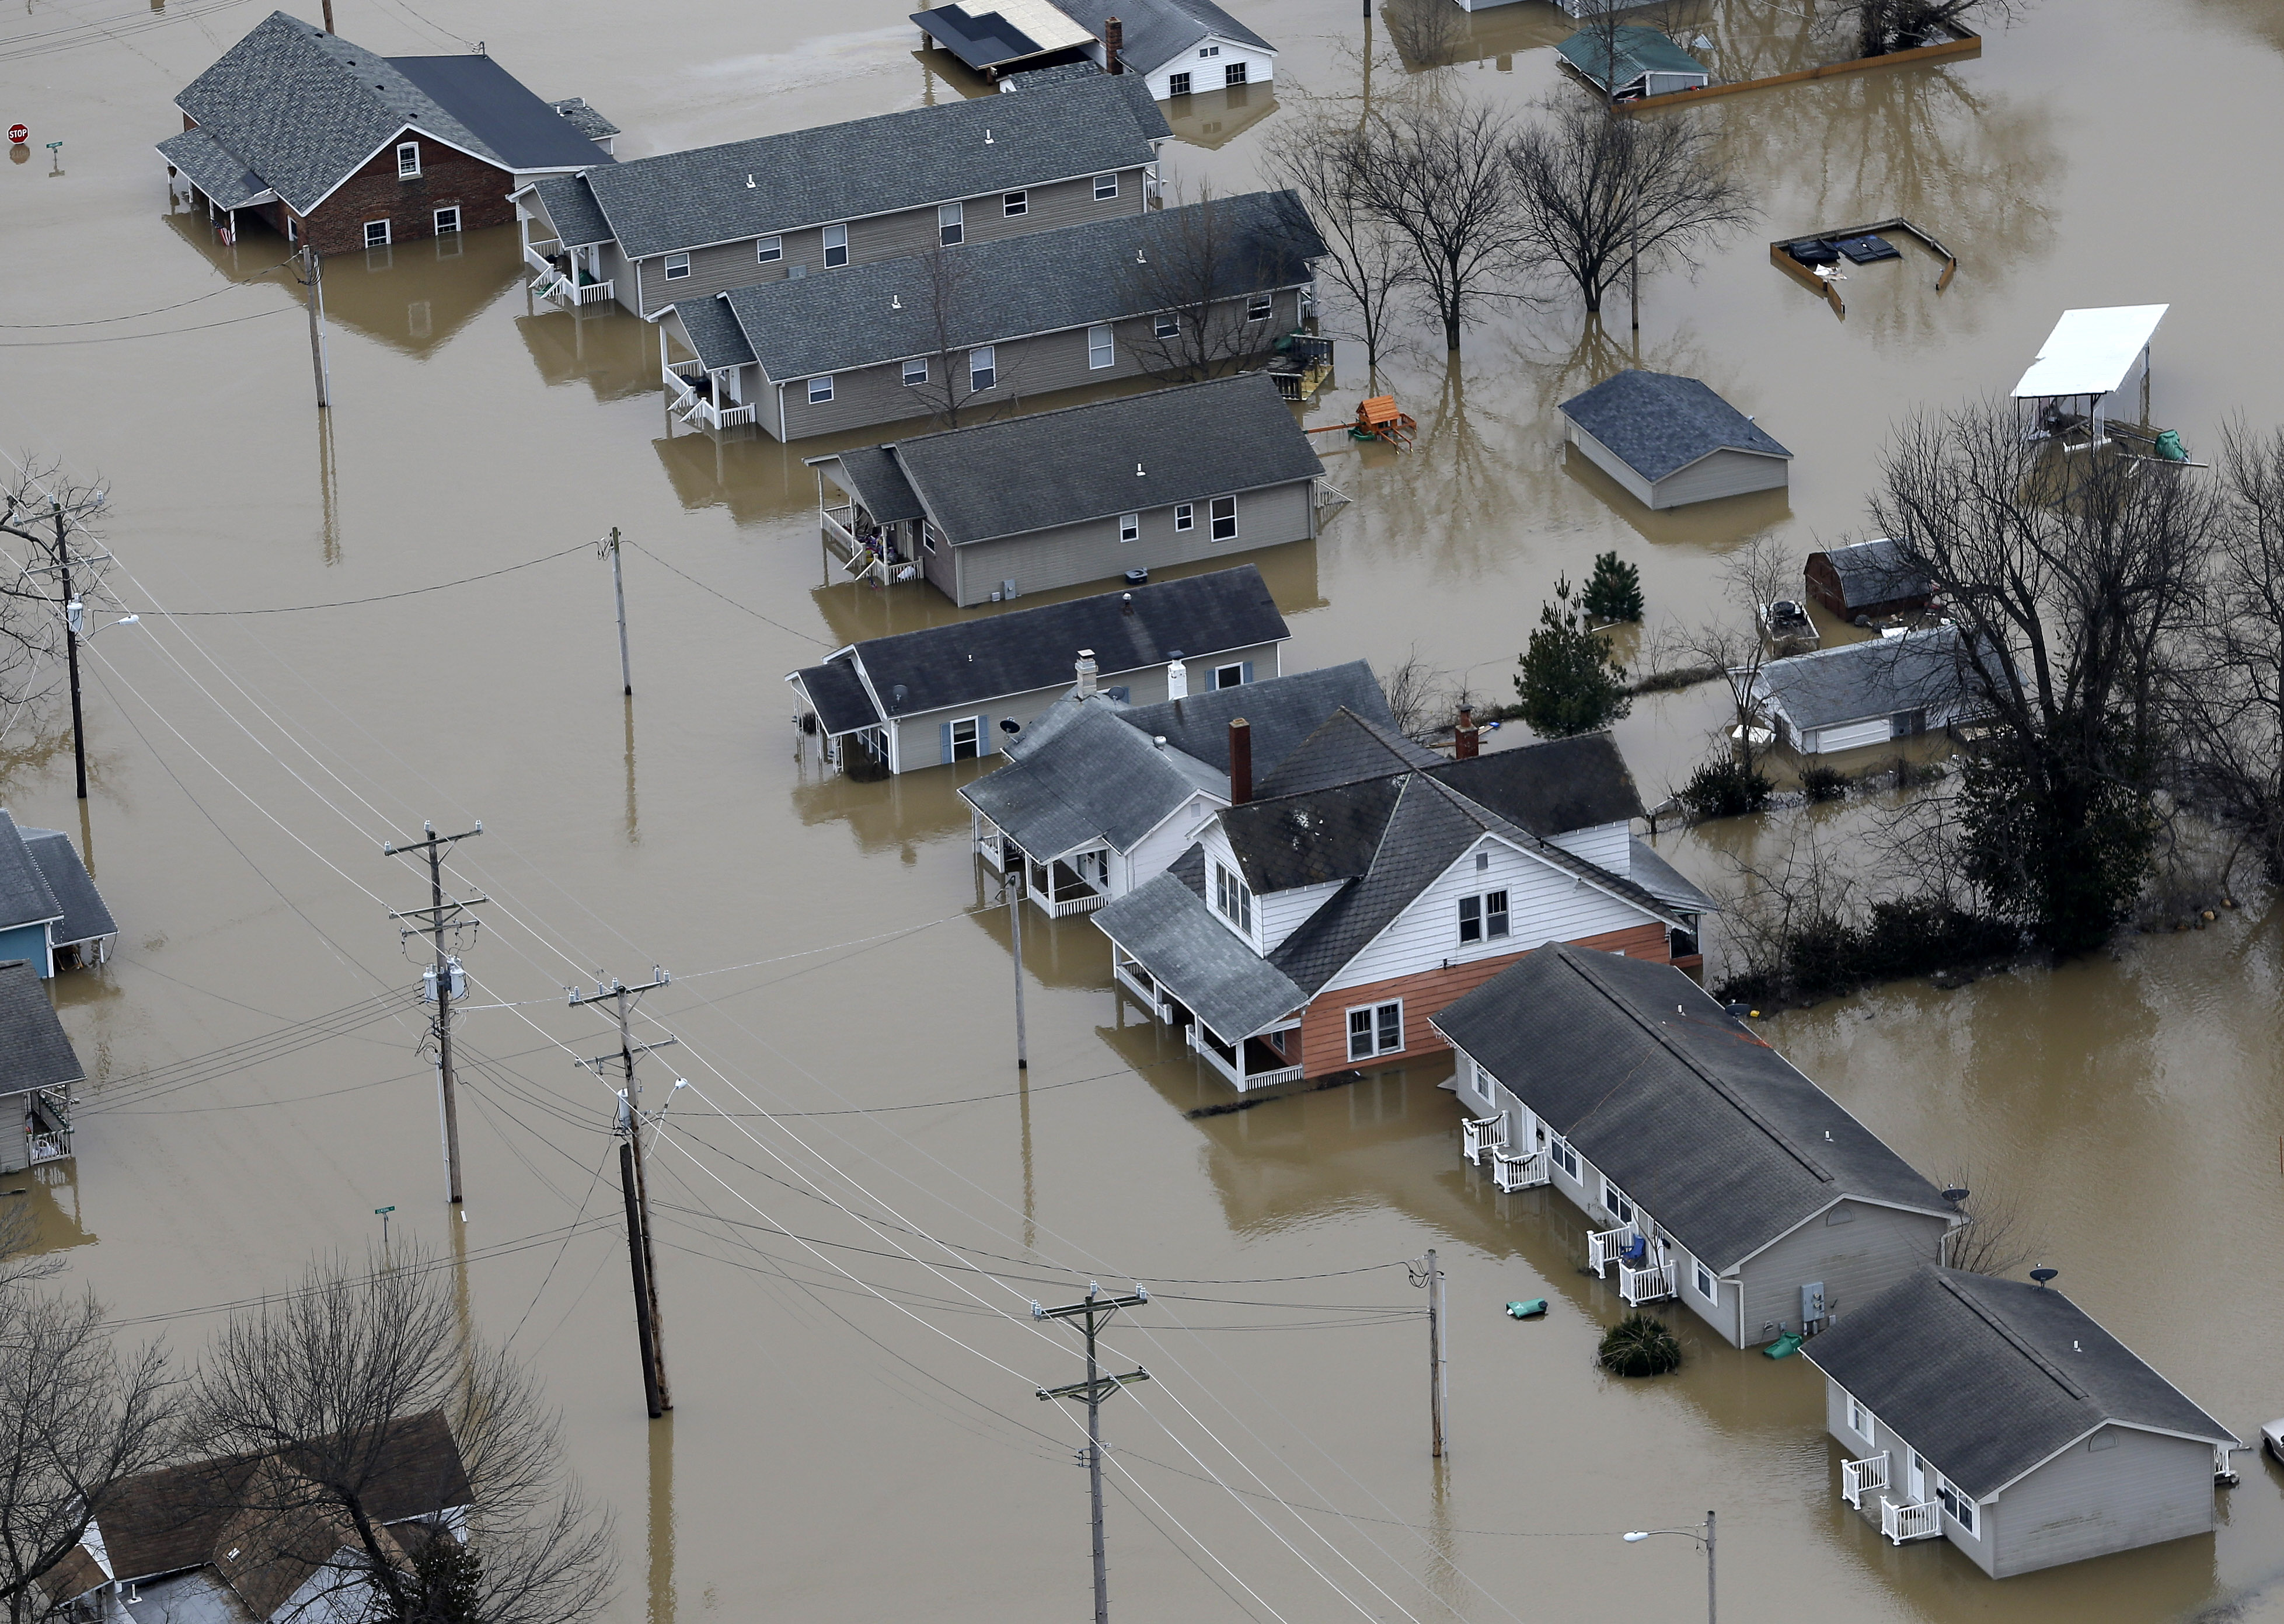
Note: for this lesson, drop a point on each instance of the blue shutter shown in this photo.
(983, 743)
(943, 739)
(1245, 672)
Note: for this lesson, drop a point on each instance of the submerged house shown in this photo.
(1627, 62)
(52, 916)
(689, 224)
(1671, 440)
(38, 1070)
(1867, 694)
(1175, 47)
(1997, 1415)
(998, 323)
(1715, 1174)
(1203, 470)
(339, 148)
(952, 693)
(1867, 580)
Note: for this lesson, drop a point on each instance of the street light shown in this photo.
(1704, 1539)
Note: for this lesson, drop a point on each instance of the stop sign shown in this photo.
(17, 135)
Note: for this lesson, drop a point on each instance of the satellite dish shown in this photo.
(2043, 1275)
(1008, 724)
(1955, 1193)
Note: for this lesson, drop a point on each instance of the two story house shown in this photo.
(1715, 1173)
(1176, 47)
(1176, 290)
(688, 225)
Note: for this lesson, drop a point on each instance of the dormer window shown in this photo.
(1232, 899)
(407, 161)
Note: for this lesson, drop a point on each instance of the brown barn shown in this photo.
(1873, 580)
(335, 147)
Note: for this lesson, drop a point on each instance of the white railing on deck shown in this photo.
(690, 406)
(1479, 1136)
(1648, 1283)
(48, 1147)
(1518, 1172)
(1603, 1246)
(1857, 1476)
(1910, 1522)
(534, 258)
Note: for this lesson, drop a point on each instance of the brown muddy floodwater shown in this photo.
(862, 1439)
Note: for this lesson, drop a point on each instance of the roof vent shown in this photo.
(1137, 471)
(896, 695)
(896, 302)
(1138, 259)
(987, 141)
(749, 182)
(1158, 739)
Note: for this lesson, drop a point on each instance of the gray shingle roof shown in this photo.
(1875, 572)
(24, 896)
(876, 166)
(714, 332)
(1157, 31)
(1702, 1122)
(981, 33)
(873, 478)
(1165, 924)
(1659, 423)
(838, 694)
(1857, 681)
(85, 916)
(1346, 749)
(1045, 282)
(572, 210)
(1062, 467)
(1098, 780)
(1669, 884)
(1552, 787)
(213, 168)
(515, 126)
(1988, 1377)
(583, 118)
(1281, 710)
(34, 1051)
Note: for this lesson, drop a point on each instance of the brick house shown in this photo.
(332, 146)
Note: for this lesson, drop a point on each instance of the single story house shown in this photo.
(1867, 580)
(977, 332)
(1997, 1414)
(38, 1070)
(1308, 932)
(1100, 796)
(1015, 37)
(336, 147)
(1867, 694)
(947, 693)
(1202, 471)
(1671, 440)
(52, 916)
(256, 1539)
(1714, 1173)
(690, 224)
(1628, 62)
(1174, 47)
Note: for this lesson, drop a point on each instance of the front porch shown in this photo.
(565, 278)
(696, 396)
(864, 546)
(47, 1132)
(1077, 882)
(1260, 1061)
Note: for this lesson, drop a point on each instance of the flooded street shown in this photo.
(859, 1198)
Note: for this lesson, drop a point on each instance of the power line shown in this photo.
(352, 603)
(98, 321)
(725, 598)
(121, 338)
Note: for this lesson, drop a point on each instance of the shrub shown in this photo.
(1638, 1346)
(1571, 682)
(1613, 591)
(1824, 783)
(1725, 789)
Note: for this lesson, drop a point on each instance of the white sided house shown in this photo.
(1177, 47)
(1671, 440)
(1867, 694)
(1714, 1174)
(1996, 1414)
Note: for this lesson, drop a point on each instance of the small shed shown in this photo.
(1671, 440)
(2089, 357)
(1867, 580)
(1628, 62)
(1867, 693)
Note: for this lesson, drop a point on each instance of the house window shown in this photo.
(1209, 50)
(1100, 352)
(836, 246)
(1185, 516)
(1375, 1029)
(1859, 1419)
(916, 371)
(447, 220)
(1016, 203)
(1222, 511)
(1165, 326)
(1130, 525)
(1616, 1201)
(965, 733)
(1105, 186)
(951, 224)
(1260, 307)
(1229, 676)
(1233, 898)
(407, 161)
(1495, 914)
(376, 233)
(1705, 1290)
(768, 250)
(1471, 918)
(1233, 74)
(292, 230)
(982, 369)
(1559, 1154)
(927, 536)
(820, 390)
(1178, 84)
(1961, 1509)
(677, 266)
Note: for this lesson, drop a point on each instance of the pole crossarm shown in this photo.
(1100, 1388)
(442, 914)
(1093, 1306)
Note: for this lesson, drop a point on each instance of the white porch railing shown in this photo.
(1900, 1523)
(1086, 903)
(1857, 1476)
(1651, 1282)
(1518, 1172)
(1479, 1136)
(688, 406)
(48, 1147)
(1603, 1246)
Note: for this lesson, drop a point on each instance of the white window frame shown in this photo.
(1185, 516)
(1178, 84)
(1261, 307)
(1233, 76)
(1221, 514)
(975, 726)
(984, 368)
(1499, 917)
(443, 229)
(1951, 1497)
(950, 224)
(408, 160)
(1105, 186)
(1235, 675)
(1101, 348)
(768, 250)
(292, 230)
(1708, 1287)
(370, 240)
(1859, 1420)
(927, 537)
(1014, 203)
(1209, 50)
(1165, 326)
(1614, 1197)
(835, 240)
(1561, 1153)
(915, 372)
(1376, 1042)
(1471, 919)
(1233, 898)
(820, 397)
(676, 267)
(1129, 527)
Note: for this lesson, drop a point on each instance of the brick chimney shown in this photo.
(1113, 41)
(1086, 669)
(1466, 738)
(1240, 761)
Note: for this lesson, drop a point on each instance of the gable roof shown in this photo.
(1875, 572)
(1095, 779)
(26, 897)
(34, 1051)
(1989, 1377)
(1722, 1140)
(876, 166)
(715, 337)
(1628, 52)
(572, 210)
(1551, 788)
(1658, 423)
(85, 915)
(990, 32)
(1347, 748)
(1878, 677)
(1281, 710)
(1157, 31)
(873, 478)
(1076, 276)
(1231, 988)
(513, 125)
(1028, 474)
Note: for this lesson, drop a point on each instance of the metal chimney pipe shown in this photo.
(1466, 738)
(1113, 41)
(1240, 761)
(1086, 670)
(1178, 679)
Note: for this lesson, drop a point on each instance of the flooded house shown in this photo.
(952, 693)
(38, 1070)
(336, 146)
(1715, 1173)
(52, 916)
(1997, 1414)
(1671, 440)
(1100, 796)
(1321, 925)
(1627, 62)
(938, 335)
(1175, 47)
(1866, 693)
(689, 224)
(1198, 471)
(1867, 580)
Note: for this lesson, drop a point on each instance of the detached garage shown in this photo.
(1867, 693)
(1671, 440)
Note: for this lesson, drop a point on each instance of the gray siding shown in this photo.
(1724, 474)
(1856, 1260)
(1069, 554)
(2085, 1502)
(1610, 463)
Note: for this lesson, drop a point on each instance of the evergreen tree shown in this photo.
(1613, 591)
(1571, 682)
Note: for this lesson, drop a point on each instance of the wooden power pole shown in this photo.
(316, 264)
(609, 547)
(619, 999)
(1431, 1275)
(1092, 1313)
(439, 917)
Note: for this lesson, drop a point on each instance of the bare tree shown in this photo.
(955, 312)
(1601, 193)
(1427, 34)
(1732, 640)
(1205, 272)
(1422, 696)
(1322, 158)
(1438, 172)
(1878, 27)
(55, 517)
(1996, 1237)
(316, 1384)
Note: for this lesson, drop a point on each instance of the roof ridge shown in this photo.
(2020, 1344)
(1058, 412)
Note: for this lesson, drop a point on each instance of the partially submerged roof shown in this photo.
(214, 169)
(873, 478)
(1232, 990)
(986, 34)
(572, 210)
(1920, 670)
(583, 118)
(1699, 1120)
(715, 337)
(1989, 1377)
(1875, 572)
(1099, 780)
(26, 897)
(1077, 276)
(2090, 352)
(1279, 711)
(1551, 788)
(1616, 57)
(85, 917)
(837, 694)
(1658, 423)
(1183, 444)
(1346, 749)
(34, 1051)
(1157, 31)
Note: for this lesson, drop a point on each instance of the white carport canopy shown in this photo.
(2091, 352)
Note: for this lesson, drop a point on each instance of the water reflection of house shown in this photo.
(416, 297)
(1213, 119)
(614, 354)
(38, 1070)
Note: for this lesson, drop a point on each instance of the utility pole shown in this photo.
(63, 515)
(72, 614)
(1431, 1276)
(620, 999)
(441, 916)
(316, 262)
(1014, 879)
(1093, 1314)
(1708, 1569)
(608, 547)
